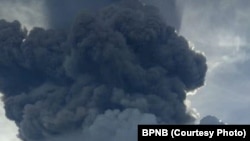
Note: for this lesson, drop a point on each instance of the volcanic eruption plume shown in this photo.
(113, 68)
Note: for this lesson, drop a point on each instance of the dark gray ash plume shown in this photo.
(120, 66)
(170, 10)
(61, 13)
(211, 120)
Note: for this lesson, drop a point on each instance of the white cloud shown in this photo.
(113, 125)
(8, 130)
(219, 28)
(116, 125)
(29, 12)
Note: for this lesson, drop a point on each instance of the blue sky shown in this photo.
(220, 30)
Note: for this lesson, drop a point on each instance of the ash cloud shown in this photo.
(123, 60)
(171, 11)
(112, 125)
(211, 120)
(61, 13)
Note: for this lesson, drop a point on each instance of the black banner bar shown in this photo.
(202, 132)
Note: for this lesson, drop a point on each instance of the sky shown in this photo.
(219, 28)
(8, 129)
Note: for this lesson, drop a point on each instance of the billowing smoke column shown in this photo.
(120, 66)
(169, 9)
(60, 13)
(208, 120)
